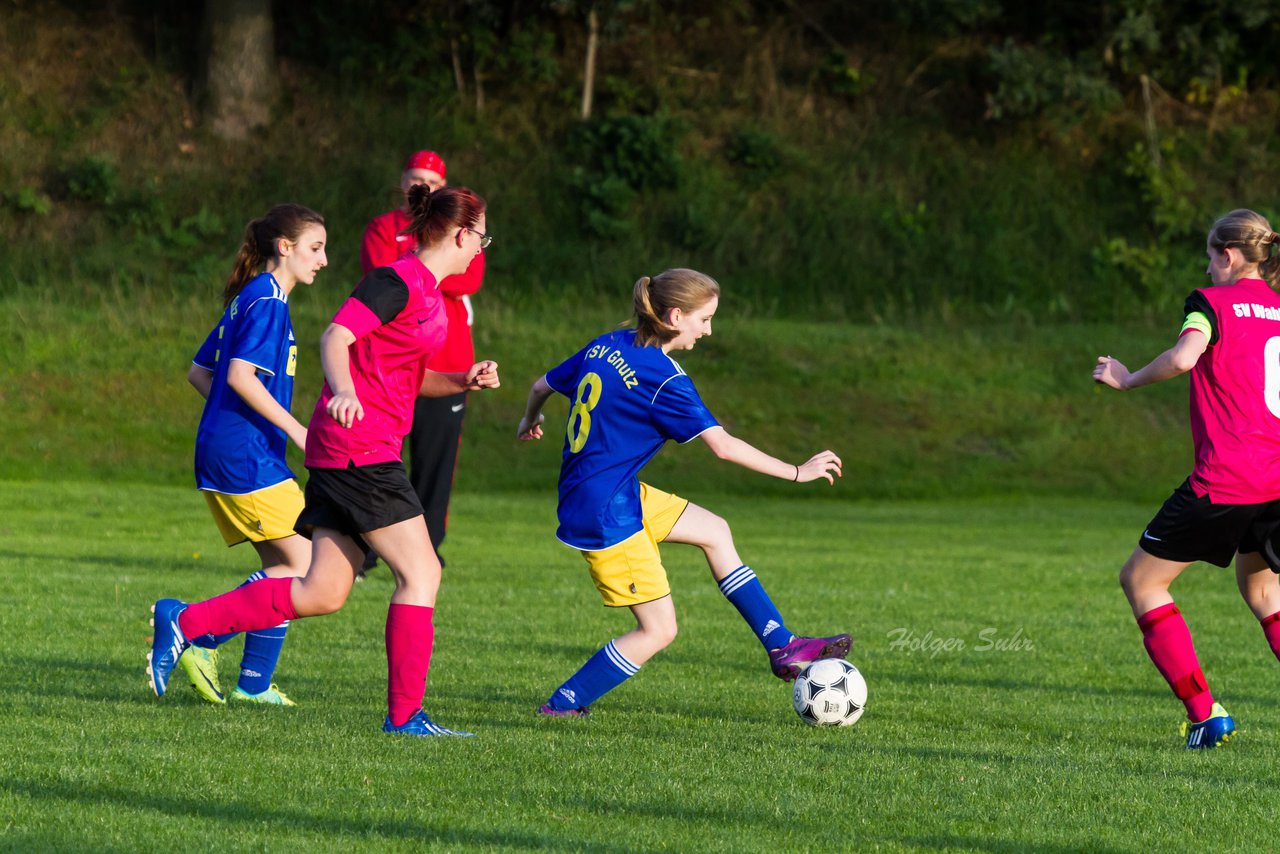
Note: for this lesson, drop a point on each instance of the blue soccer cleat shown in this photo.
(167, 644)
(420, 724)
(1212, 731)
(551, 712)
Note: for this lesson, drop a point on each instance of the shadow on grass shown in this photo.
(128, 564)
(185, 807)
(998, 684)
(974, 843)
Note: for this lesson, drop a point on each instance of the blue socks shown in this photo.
(744, 590)
(603, 672)
(608, 668)
(261, 650)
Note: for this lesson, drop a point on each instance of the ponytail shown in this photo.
(258, 246)
(1250, 234)
(1269, 267)
(434, 213)
(652, 298)
(249, 259)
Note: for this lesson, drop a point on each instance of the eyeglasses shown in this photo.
(485, 239)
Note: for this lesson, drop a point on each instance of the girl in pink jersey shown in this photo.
(1230, 342)
(358, 496)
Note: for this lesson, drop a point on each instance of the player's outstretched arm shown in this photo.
(1175, 361)
(531, 423)
(824, 464)
(478, 377)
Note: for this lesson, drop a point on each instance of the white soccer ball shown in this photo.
(830, 692)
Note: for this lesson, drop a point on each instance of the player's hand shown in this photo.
(345, 408)
(530, 430)
(824, 464)
(483, 375)
(1111, 372)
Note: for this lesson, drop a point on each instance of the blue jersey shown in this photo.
(626, 402)
(237, 450)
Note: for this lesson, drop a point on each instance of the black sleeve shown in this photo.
(383, 292)
(1199, 302)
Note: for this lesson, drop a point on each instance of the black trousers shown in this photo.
(433, 457)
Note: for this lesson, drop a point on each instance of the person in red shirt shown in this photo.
(358, 496)
(436, 434)
(1230, 505)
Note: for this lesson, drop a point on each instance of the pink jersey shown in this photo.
(384, 243)
(388, 362)
(1235, 395)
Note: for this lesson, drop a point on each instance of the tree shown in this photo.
(241, 78)
(595, 13)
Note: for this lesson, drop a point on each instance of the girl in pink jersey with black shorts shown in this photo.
(358, 496)
(1230, 342)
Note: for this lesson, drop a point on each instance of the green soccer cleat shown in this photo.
(1215, 730)
(273, 696)
(201, 666)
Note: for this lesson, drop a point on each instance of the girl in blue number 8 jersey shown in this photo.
(627, 398)
(245, 371)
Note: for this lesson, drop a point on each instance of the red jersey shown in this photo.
(397, 316)
(1235, 394)
(383, 243)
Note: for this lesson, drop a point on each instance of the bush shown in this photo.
(91, 179)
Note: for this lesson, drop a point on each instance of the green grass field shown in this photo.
(1046, 730)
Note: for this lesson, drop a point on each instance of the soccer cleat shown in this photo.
(1212, 731)
(273, 696)
(420, 724)
(788, 661)
(201, 666)
(547, 710)
(167, 643)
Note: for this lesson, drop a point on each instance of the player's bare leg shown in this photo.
(789, 654)
(655, 630)
(699, 527)
(285, 557)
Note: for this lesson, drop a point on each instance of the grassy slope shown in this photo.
(923, 391)
(97, 390)
(1063, 740)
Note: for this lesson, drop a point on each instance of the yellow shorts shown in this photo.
(268, 514)
(631, 572)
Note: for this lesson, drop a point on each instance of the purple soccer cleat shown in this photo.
(788, 661)
(563, 713)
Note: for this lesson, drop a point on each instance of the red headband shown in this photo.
(426, 160)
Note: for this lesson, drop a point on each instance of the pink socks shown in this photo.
(1271, 628)
(260, 605)
(1168, 642)
(410, 636)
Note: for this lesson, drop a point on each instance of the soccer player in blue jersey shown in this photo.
(245, 371)
(628, 398)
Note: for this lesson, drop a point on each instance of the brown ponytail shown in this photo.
(680, 288)
(434, 213)
(259, 243)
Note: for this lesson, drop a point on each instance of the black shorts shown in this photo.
(357, 499)
(1189, 528)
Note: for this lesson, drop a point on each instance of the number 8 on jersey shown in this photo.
(579, 425)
